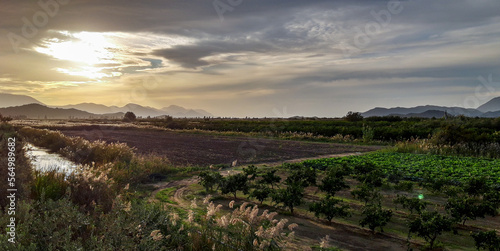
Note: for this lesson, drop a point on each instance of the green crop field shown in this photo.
(420, 166)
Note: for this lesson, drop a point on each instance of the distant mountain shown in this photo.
(490, 106)
(138, 110)
(414, 111)
(426, 114)
(178, 111)
(93, 108)
(37, 111)
(7, 100)
(491, 114)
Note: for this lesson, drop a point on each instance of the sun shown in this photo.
(86, 49)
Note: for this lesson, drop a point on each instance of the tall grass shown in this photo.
(22, 167)
(471, 149)
(78, 149)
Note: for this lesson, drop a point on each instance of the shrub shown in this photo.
(129, 117)
(487, 240)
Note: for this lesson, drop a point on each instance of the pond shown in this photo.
(43, 160)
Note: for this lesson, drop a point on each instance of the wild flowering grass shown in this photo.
(127, 167)
(77, 148)
(245, 228)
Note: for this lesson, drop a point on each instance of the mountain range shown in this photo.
(490, 109)
(26, 106)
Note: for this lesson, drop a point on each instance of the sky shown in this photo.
(273, 58)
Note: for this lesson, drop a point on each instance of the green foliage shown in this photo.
(405, 186)
(48, 185)
(468, 208)
(166, 194)
(366, 193)
(375, 217)
(333, 181)
(417, 167)
(488, 240)
(353, 117)
(330, 208)
(270, 178)
(290, 197)
(250, 171)
(261, 193)
(429, 225)
(210, 179)
(368, 134)
(415, 205)
(302, 176)
(234, 183)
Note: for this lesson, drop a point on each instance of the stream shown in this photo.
(43, 160)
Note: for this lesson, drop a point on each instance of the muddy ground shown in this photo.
(183, 148)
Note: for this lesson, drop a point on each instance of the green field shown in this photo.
(420, 166)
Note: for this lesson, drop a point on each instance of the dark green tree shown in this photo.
(209, 180)
(429, 225)
(333, 181)
(413, 204)
(375, 216)
(261, 193)
(366, 193)
(330, 208)
(290, 197)
(270, 178)
(129, 117)
(353, 116)
(488, 240)
(234, 183)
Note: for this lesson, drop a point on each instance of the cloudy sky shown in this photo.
(252, 57)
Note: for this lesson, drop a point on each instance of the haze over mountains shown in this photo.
(26, 106)
(22, 105)
(490, 109)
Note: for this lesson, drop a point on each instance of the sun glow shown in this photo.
(86, 49)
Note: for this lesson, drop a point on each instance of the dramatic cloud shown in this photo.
(313, 58)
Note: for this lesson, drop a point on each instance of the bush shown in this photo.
(129, 117)
(487, 240)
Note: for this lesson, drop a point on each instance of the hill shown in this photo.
(139, 110)
(490, 106)
(7, 100)
(37, 111)
(402, 111)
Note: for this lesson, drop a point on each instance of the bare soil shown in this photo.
(183, 148)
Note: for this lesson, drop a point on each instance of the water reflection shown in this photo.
(43, 160)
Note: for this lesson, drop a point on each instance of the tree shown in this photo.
(129, 117)
(270, 178)
(261, 193)
(251, 171)
(210, 179)
(469, 208)
(429, 225)
(353, 116)
(375, 216)
(333, 181)
(412, 204)
(488, 240)
(303, 176)
(365, 193)
(330, 208)
(234, 183)
(291, 196)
